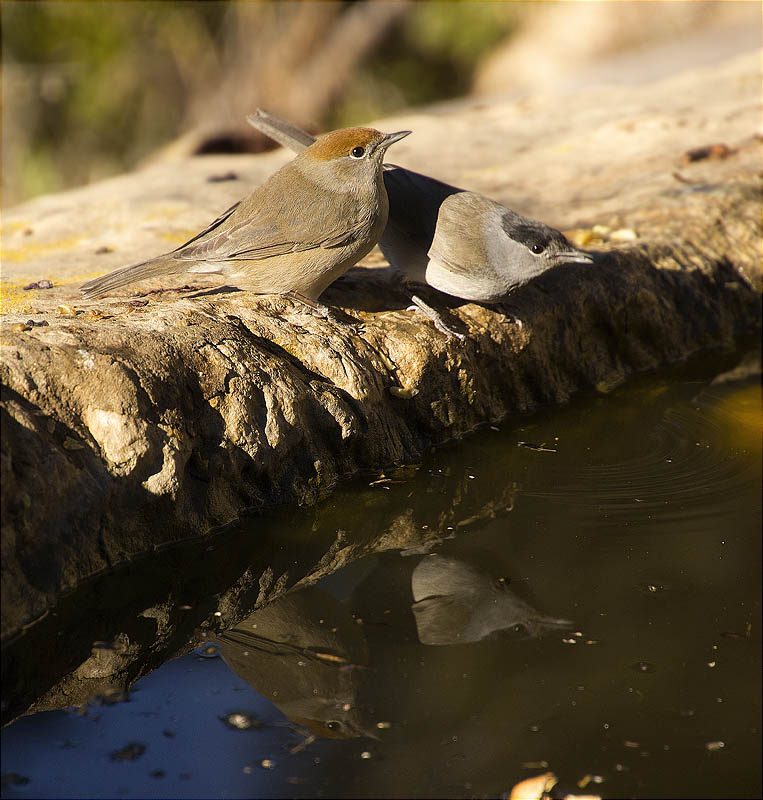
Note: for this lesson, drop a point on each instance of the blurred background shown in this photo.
(91, 89)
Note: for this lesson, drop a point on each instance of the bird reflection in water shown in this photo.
(305, 654)
(457, 601)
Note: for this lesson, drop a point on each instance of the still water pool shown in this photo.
(583, 596)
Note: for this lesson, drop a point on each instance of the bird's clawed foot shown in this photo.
(326, 312)
(434, 316)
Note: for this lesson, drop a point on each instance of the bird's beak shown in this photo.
(554, 624)
(573, 257)
(391, 138)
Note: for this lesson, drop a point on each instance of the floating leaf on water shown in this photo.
(334, 659)
(209, 650)
(533, 788)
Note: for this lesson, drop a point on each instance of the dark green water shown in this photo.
(447, 669)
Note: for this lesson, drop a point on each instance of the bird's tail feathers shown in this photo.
(154, 267)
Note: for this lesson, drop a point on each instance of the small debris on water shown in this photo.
(14, 779)
(130, 752)
(541, 448)
(241, 721)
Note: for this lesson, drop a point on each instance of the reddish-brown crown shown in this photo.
(339, 143)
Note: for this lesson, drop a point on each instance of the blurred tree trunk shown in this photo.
(291, 58)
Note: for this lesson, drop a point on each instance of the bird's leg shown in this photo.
(320, 309)
(434, 316)
(506, 310)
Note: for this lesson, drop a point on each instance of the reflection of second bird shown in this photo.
(459, 242)
(296, 233)
(456, 601)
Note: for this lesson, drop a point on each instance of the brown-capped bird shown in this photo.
(299, 231)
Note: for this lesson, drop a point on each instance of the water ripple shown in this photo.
(695, 461)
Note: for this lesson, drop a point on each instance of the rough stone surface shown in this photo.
(127, 425)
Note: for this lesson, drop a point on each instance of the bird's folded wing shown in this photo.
(258, 237)
(212, 225)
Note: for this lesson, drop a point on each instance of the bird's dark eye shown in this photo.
(537, 249)
(357, 152)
